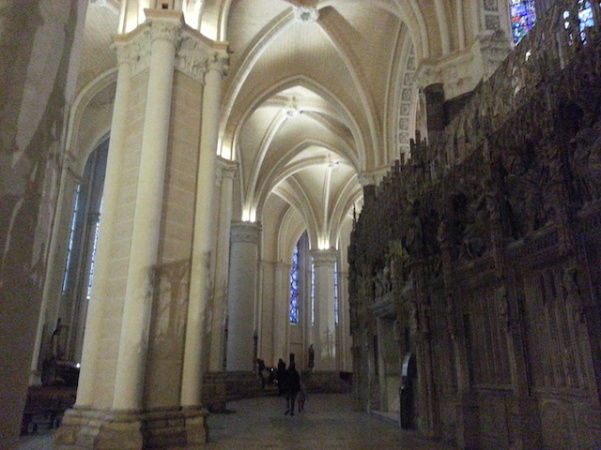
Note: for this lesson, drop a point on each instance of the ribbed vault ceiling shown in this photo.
(309, 98)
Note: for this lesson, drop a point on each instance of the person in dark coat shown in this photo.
(293, 385)
(280, 376)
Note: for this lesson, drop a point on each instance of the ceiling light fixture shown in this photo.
(292, 109)
(306, 14)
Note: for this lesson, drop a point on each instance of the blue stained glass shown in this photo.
(523, 18)
(294, 287)
(585, 18)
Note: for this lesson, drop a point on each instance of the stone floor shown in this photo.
(329, 422)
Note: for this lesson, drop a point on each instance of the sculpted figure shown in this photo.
(573, 292)
(586, 162)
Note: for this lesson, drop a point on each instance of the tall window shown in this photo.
(294, 298)
(585, 19)
(93, 259)
(585, 15)
(81, 248)
(312, 294)
(71, 239)
(336, 301)
(523, 18)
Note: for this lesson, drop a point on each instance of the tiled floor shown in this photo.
(329, 422)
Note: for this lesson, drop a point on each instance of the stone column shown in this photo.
(325, 320)
(191, 390)
(217, 349)
(102, 263)
(244, 269)
(129, 379)
(281, 320)
(135, 384)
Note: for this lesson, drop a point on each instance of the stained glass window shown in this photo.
(71, 239)
(585, 15)
(523, 18)
(336, 305)
(294, 271)
(585, 19)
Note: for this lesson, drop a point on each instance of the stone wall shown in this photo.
(485, 247)
(39, 42)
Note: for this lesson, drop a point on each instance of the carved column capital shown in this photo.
(166, 31)
(132, 49)
(227, 169)
(192, 56)
(324, 257)
(219, 61)
(249, 232)
(164, 25)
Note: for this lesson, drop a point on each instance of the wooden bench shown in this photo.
(46, 405)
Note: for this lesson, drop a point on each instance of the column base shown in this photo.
(125, 430)
(468, 428)
(214, 391)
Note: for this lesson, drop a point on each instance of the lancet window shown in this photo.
(294, 285)
(336, 297)
(522, 14)
(583, 19)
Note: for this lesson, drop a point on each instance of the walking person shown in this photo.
(280, 376)
(293, 386)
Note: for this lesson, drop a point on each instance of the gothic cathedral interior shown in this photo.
(403, 197)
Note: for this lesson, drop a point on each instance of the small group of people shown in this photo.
(290, 386)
